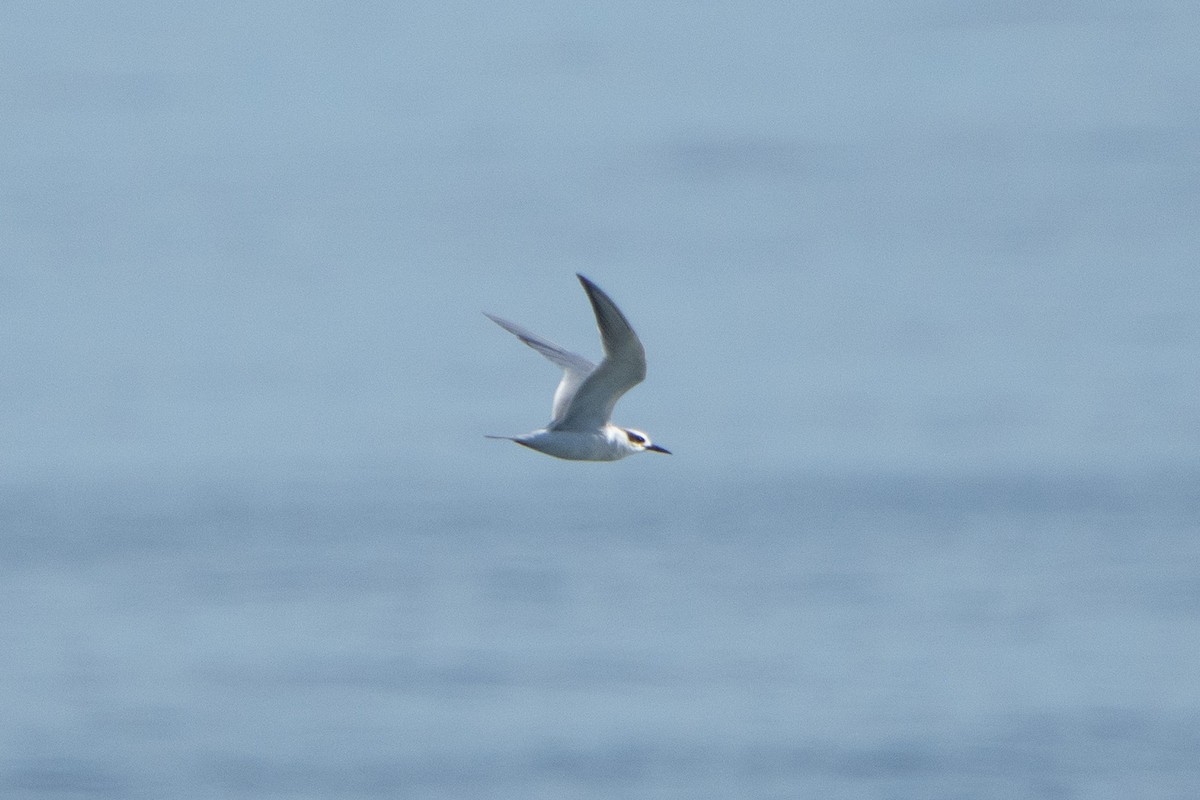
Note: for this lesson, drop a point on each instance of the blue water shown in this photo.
(918, 287)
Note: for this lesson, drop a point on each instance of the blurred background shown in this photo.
(919, 289)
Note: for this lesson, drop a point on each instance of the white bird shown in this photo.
(580, 428)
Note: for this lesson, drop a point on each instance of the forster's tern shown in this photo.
(580, 428)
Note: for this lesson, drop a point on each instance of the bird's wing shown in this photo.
(623, 367)
(575, 367)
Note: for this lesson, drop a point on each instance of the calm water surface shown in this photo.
(917, 286)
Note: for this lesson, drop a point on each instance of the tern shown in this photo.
(580, 428)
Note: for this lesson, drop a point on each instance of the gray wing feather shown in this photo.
(624, 366)
(575, 367)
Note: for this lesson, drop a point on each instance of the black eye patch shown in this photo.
(635, 437)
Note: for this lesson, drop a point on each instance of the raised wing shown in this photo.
(624, 366)
(575, 367)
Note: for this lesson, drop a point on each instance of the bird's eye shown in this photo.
(636, 438)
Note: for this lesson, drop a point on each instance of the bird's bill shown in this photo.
(658, 449)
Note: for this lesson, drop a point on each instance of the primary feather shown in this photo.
(623, 367)
(575, 367)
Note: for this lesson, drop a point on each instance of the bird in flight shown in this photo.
(580, 428)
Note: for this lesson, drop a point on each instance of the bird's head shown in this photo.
(640, 442)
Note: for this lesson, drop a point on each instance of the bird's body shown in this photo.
(608, 444)
(580, 428)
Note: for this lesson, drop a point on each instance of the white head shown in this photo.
(639, 442)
